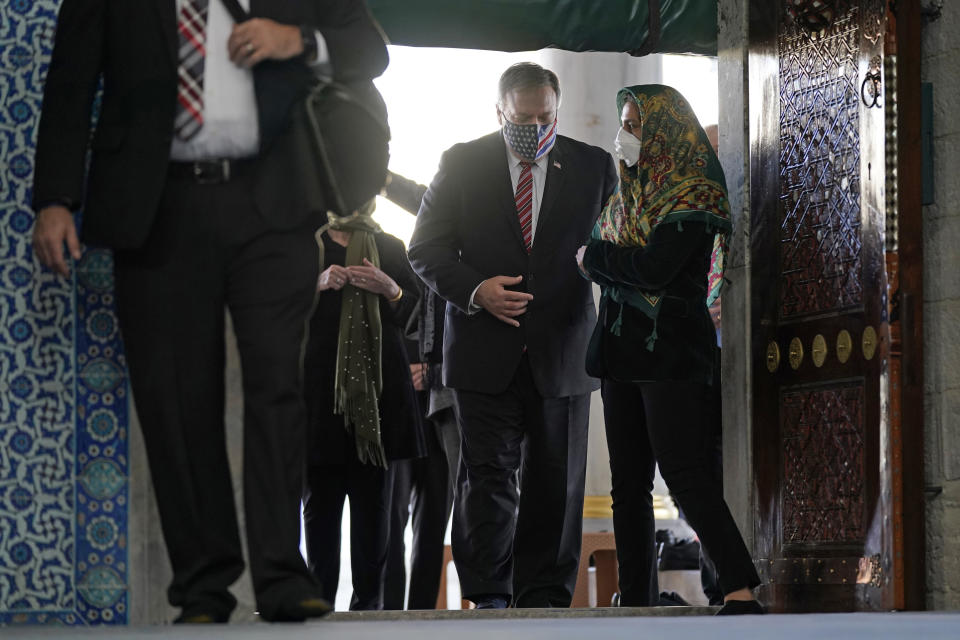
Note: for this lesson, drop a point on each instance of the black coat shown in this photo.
(133, 43)
(401, 425)
(675, 261)
(467, 231)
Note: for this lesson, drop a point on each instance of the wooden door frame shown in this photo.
(907, 32)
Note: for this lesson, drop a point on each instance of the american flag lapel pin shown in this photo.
(556, 164)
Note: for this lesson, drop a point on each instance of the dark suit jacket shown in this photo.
(467, 231)
(404, 192)
(400, 415)
(133, 44)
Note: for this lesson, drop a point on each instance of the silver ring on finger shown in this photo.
(250, 48)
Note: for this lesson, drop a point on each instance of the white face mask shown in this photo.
(627, 147)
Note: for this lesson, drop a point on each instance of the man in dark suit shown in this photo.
(192, 105)
(494, 238)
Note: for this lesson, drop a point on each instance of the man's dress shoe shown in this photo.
(201, 618)
(491, 602)
(300, 610)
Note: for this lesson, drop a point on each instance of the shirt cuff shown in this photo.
(473, 308)
(322, 62)
(63, 202)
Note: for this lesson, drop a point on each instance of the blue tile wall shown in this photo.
(64, 410)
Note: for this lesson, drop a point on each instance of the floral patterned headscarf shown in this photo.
(677, 178)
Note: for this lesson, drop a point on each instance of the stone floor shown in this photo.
(596, 624)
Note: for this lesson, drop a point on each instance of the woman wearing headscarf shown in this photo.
(361, 406)
(657, 253)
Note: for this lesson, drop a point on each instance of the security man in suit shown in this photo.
(192, 104)
(494, 237)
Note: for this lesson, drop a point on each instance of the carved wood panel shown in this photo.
(822, 488)
(819, 199)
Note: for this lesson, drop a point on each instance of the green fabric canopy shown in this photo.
(686, 26)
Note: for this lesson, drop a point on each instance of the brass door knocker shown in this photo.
(871, 94)
(874, 90)
(812, 15)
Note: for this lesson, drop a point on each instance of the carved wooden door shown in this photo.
(827, 518)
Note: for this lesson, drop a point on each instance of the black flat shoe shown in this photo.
(741, 608)
(671, 599)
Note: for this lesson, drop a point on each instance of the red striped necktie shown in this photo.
(524, 200)
(192, 29)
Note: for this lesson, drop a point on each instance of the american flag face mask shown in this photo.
(530, 141)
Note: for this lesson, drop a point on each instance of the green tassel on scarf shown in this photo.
(652, 338)
(359, 377)
(617, 323)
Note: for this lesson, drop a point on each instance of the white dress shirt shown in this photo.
(230, 125)
(538, 171)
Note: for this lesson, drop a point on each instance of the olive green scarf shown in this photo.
(359, 379)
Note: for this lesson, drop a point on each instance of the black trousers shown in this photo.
(421, 486)
(522, 544)
(368, 488)
(714, 444)
(667, 422)
(210, 249)
(714, 452)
